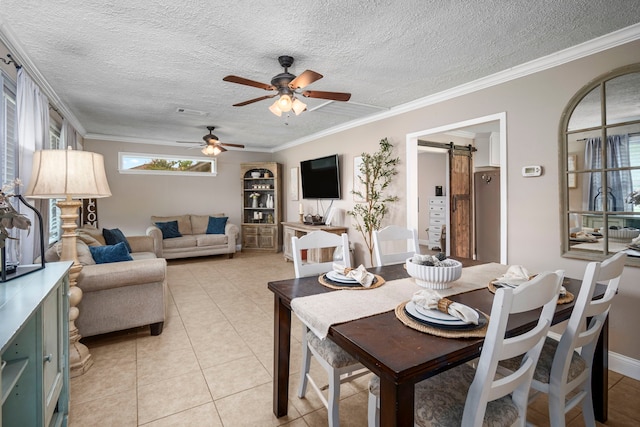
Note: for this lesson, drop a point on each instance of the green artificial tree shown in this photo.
(376, 172)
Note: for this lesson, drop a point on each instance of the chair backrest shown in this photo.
(579, 333)
(384, 239)
(541, 291)
(317, 240)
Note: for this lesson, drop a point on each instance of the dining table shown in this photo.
(402, 356)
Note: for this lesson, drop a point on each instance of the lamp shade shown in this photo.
(58, 174)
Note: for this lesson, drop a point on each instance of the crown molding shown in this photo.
(591, 47)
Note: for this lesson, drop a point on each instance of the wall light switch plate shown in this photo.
(534, 170)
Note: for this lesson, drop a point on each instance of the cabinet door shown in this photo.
(286, 245)
(52, 351)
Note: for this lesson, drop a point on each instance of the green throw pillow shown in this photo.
(169, 229)
(216, 224)
(110, 253)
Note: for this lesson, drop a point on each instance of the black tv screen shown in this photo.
(320, 178)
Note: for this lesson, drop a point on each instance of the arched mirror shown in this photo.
(600, 168)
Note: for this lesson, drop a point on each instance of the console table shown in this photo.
(34, 348)
(298, 229)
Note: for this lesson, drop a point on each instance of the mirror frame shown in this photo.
(564, 170)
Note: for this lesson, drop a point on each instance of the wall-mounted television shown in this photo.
(320, 178)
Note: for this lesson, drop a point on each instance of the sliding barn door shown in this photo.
(461, 225)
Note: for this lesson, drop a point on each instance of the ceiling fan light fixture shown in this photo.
(284, 103)
(275, 109)
(298, 106)
(209, 150)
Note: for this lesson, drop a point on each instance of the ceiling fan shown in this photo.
(287, 86)
(212, 145)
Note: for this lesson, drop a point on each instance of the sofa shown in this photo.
(195, 236)
(118, 295)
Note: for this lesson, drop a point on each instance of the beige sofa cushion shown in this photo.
(199, 223)
(90, 235)
(184, 242)
(84, 254)
(211, 239)
(184, 222)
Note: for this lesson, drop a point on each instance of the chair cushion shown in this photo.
(169, 229)
(84, 255)
(115, 236)
(216, 225)
(440, 400)
(330, 351)
(110, 253)
(543, 368)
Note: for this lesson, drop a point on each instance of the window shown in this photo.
(54, 211)
(8, 130)
(600, 167)
(138, 163)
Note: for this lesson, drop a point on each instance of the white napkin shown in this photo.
(428, 298)
(515, 275)
(360, 274)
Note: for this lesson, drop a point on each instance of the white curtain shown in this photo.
(69, 136)
(33, 132)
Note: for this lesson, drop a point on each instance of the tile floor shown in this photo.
(212, 364)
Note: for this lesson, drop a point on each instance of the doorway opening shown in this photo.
(423, 162)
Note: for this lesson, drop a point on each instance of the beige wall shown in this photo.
(533, 107)
(137, 197)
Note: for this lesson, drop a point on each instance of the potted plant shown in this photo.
(376, 172)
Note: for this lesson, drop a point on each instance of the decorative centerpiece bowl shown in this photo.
(439, 275)
(255, 174)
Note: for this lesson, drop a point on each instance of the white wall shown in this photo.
(137, 197)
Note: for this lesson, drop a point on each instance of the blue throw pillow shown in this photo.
(110, 253)
(115, 236)
(169, 229)
(216, 224)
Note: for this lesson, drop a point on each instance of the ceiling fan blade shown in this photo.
(251, 101)
(231, 145)
(189, 142)
(304, 79)
(335, 96)
(243, 81)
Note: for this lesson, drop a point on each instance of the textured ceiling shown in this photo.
(122, 68)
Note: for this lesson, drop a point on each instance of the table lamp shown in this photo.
(70, 175)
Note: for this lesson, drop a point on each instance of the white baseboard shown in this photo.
(238, 248)
(617, 362)
(624, 365)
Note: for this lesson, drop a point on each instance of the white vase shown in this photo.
(254, 203)
(269, 201)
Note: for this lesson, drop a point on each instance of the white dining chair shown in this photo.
(339, 365)
(562, 370)
(386, 243)
(468, 396)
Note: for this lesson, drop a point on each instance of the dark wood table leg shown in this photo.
(600, 375)
(281, 353)
(396, 404)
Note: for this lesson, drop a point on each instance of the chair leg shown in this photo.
(556, 410)
(587, 408)
(333, 400)
(306, 364)
(373, 413)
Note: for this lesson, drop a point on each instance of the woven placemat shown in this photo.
(562, 299)
(378, 281)
(439, 332)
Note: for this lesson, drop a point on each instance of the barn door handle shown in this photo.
(454, 199)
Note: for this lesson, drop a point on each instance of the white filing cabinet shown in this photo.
(437, 219)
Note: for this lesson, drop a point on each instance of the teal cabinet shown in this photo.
(34, 336)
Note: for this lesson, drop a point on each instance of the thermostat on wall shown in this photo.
(532, 170)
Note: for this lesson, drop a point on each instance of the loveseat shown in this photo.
(118, 295)
(184, 236)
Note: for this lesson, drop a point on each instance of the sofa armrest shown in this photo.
(156, 234)
(98, 277)
(141, 243)
(232, 232)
